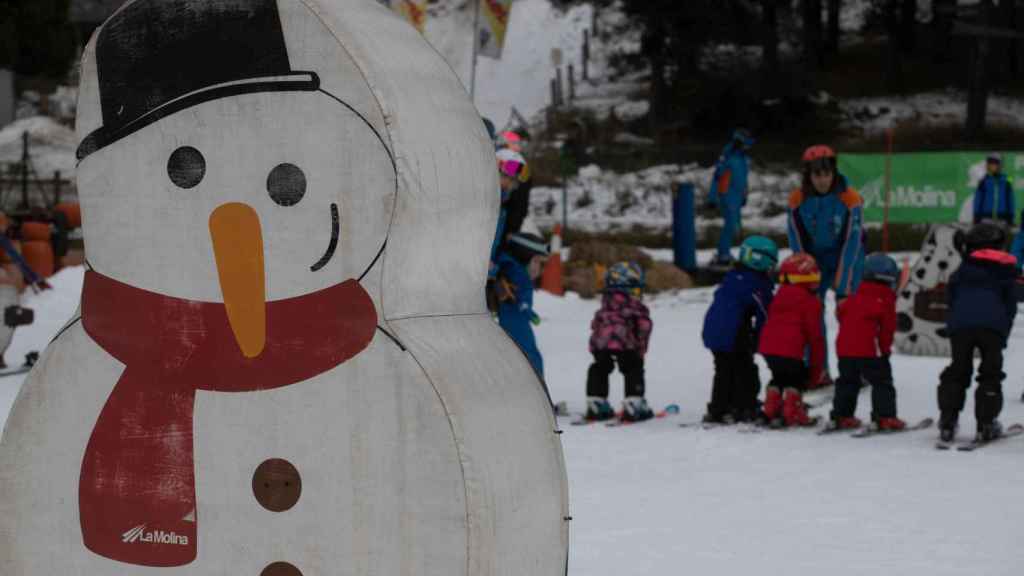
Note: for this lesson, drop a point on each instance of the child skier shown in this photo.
(517, 268)
(794, 323)
(731, 329)
(867, 323)
(982, 307)
(620, 332)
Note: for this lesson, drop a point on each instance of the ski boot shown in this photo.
(793, 410)
(843, 423)
(947, 428)
(772, 407)
(598, 409)
(889, 424)
(989, 431)
(712, 417)
(635, 409)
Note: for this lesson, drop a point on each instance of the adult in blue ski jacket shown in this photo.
(826, 221)
(518, 267)
(994, 199)
(728, 189)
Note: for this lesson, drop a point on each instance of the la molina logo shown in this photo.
(907, 196)
(139, 534)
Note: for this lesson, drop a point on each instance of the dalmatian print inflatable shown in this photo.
(921, 306)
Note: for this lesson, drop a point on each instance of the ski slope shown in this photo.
(655, 499)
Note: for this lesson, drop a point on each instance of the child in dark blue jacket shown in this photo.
(982, 307)
(731, 328)
(518, 267)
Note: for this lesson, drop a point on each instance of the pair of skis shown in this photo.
(618, 421)
(974, 444)
(873, 430)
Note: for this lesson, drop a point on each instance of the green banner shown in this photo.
(927, 187)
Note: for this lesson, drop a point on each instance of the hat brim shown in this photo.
(104, 136)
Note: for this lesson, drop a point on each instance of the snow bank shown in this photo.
(604, 201)
(52, 145)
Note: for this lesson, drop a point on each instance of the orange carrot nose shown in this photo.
(238, 249)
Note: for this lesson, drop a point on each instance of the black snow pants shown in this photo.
(956, 378)
(631, 364)
(736, 385)
(876, 372)
(787, 373)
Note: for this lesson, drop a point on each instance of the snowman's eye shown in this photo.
(286, 184)
(186, 167)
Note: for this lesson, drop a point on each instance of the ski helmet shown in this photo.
(800, 269)
(513, 165)
(625, 276)
(743, 137)
(511, 140)
(984, 235)
(881, 268)
(819, 157)
(994, 158)
(523, 246)
(759, 253)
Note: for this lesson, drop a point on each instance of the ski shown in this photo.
(670, 410)
(871, 430)
(971, 446)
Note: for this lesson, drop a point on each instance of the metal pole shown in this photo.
(476, 49)
(888, 188)
(24, 170)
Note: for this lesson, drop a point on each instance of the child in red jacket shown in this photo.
(867, 322)
(794, 323)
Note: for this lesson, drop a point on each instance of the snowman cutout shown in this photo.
(251, 205)
(283, 364)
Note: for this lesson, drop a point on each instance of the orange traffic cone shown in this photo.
(551, 279)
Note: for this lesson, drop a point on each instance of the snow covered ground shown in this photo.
(656, 499)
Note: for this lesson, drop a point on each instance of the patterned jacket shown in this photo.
(622, 324)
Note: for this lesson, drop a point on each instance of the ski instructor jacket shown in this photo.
(729, 182)
(830, 228)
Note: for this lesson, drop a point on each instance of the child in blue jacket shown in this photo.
(731, 329)
(982, 307)
(518, 267)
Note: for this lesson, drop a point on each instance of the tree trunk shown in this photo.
(770, 44)
(908, 25)
(834, 10)
(943, 12)
(978, 83)
(1008, 18)
(894, 62)
(812, 36)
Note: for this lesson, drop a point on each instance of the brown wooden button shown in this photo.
(277, 486)
(281, 569)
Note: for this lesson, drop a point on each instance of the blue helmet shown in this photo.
(743, 137)
(759, 253)
(881, 268)
(624, 276)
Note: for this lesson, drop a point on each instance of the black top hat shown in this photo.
(158, 57)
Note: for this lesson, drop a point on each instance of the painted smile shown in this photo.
(335, 225)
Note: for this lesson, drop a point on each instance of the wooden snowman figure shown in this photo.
(283, 364)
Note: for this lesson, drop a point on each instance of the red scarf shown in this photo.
(136, 492)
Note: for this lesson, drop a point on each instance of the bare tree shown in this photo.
(835, 8)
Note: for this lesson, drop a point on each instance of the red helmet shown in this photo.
(800, 269)
(819, 157)
(819, 152)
